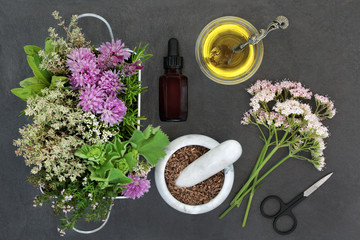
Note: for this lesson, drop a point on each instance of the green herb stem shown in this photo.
(261, 156)
(254, 178)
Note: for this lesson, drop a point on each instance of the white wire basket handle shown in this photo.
(138, 127)
(104, 221)
(119, 197)
(93, 15)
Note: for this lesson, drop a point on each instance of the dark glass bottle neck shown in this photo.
(173, 70)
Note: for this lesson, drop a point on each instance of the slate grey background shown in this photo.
(320, 49)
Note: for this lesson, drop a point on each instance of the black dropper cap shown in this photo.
(173, 60)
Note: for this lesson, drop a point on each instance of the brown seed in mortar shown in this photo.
(200, 193)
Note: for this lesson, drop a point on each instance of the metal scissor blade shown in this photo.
(316, 185)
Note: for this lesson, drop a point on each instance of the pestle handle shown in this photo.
(210, 163)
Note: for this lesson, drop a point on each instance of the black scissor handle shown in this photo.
(268, 198)
(284, 210)
(287, 213)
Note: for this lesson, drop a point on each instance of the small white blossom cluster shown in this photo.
(262, 117)
(35, 205)
(295, 89)
(325, 106)
(61, 232)
(63, 204)
(142, 168)
(84, 181)
(315, 126)
(264, 91)
(281, 106)
(94, 205)
(318, 153)
(96, 131)
(50, 141)
(65, 208)
(289, 107)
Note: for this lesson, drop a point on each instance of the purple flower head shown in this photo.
(83, 66)
(113, 53)
(110, 82)
(130, 69)
(92, 99)
(137, 188)
(113, 111)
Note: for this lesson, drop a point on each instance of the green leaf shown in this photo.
(32, 50)
(108, 148)
(31, 87)
(150, 130)
(101, 172)
(131, 159)
(22, 93)
(81, 154)
(122, 165)
(116, 176)
(57, 79)
(36, 88)
(92, 153)
(140, 54)
(120, 147)
(49, 47)
(112, 156)
(151, 148)
(42, 75)
(29, 81)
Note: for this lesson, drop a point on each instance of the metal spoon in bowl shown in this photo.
(279, 22)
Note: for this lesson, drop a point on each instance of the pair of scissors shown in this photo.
(285, 208)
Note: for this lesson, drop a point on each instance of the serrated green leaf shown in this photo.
(116, 176)
(101, 172)
(150, 130)
(49, 47)
(32, 50)
(112, 156)
(147, 132)
(151, 148)
(120, 146)
(137, 138)
(131, 160)
(42, 75)
(108, 148)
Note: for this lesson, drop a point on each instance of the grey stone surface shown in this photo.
(320, 49)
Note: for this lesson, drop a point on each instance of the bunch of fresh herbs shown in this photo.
(83, 143)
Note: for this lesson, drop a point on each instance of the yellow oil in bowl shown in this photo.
(214, 48)
(217, 49)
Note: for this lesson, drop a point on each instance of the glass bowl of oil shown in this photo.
(214, 47)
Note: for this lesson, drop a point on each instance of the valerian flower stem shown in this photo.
(246, 190)
(262, 160)
(280, 108)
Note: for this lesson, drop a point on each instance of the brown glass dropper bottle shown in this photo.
(173, 87)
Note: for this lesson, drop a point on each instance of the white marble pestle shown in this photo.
(210, 163)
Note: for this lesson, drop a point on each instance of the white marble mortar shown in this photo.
(191, 139)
